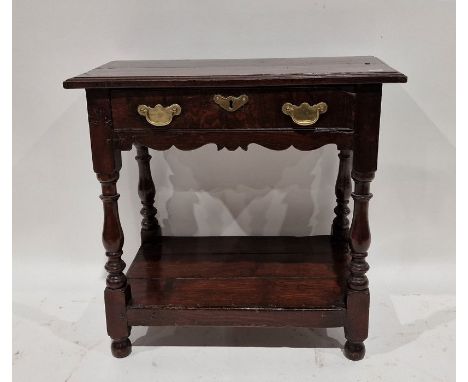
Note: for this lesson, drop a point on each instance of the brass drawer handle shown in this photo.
(231, 103)
(159, 115)
(304, 114)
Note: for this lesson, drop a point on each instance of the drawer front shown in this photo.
(263, 110)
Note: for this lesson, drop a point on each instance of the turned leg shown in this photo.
(150, 228)
(365, 153)
(107, 161)
(117, 292)
(340, 226)
(356, 328)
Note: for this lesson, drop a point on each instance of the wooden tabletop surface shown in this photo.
(238, 72)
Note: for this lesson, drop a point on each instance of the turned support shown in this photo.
(360, 237)
(112, 235)
(150, 228)
(117, 293)
(364, 164)
(343, 186)
(356, 328)
(107, 161)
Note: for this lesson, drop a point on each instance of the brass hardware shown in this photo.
(159, 115)
(304, 114)
(231, 103)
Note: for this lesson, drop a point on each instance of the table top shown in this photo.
(237, 72)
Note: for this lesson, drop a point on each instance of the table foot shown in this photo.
(354, 351)
(121, 348)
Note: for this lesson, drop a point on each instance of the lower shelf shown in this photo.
(239, 281)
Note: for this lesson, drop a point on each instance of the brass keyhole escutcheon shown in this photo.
(304, 114)
(231, 103)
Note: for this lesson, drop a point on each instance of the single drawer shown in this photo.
(233, 108)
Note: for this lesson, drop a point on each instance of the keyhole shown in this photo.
(231, 104)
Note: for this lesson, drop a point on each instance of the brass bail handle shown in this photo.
(159, 115)
(304, 114)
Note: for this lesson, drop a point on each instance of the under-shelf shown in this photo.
(239, 281)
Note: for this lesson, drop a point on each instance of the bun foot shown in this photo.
(121, 348)
(354, 351)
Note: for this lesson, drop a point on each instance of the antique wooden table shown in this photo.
(315, 281)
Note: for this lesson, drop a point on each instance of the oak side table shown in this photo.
(313, 281)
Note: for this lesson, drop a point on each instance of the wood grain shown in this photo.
(317, 318)
(238, 281)
(238, 293)
(262, 111)
(235, 257)
(273, 140)
(244, 72)
(150, 228)
(177, 276)
(343, 187)
(107, 163)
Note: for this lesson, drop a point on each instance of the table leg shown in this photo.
(150, 228)
(107, 161)
(356, 328)
(117, 293)
(365, 153)
(340, 226)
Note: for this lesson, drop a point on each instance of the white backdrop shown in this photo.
(57, 212)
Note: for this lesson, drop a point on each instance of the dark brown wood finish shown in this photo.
(237, 73)
(107, 163)
(237, 274)
(261, 112)
(277, 318)
(150, 229)
(317, 281)
(343, 186)
(365, 146)
(274, 140)
(206, 257)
